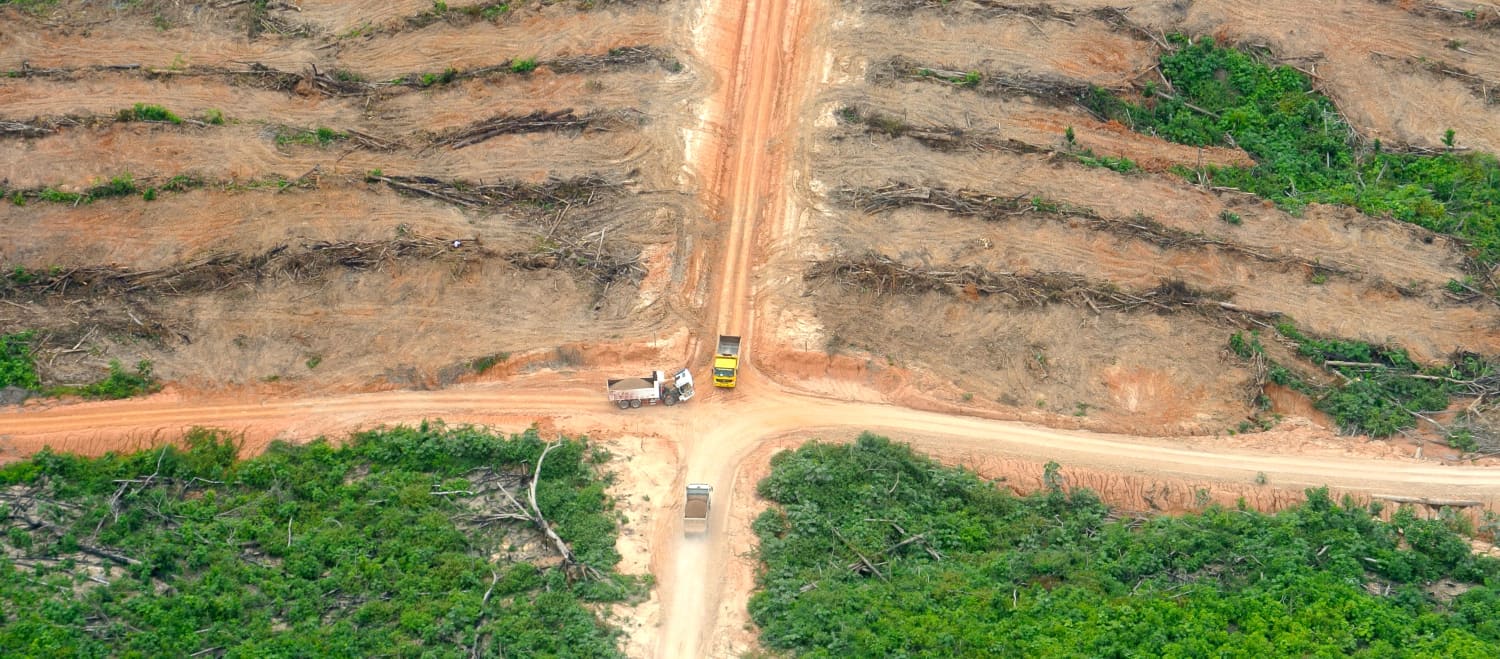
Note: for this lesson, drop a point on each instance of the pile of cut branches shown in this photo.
(939, 138)
(1025, 290)
(995, 208)
(581, 190)
(1052, 89)
(308, 261)
(535, 122)
(616, 58)
(23, 129)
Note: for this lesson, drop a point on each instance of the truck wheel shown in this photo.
(670, 400)
(635, 403)
(624, 404)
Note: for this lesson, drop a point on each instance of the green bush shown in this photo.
(966, 569)
(322, 549)
(1379, 390)
(17, 364)
(525, 65)
(144, 112)
(320, 136)
(1304, 150)
(120, 383)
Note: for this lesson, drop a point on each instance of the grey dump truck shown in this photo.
(695, 509)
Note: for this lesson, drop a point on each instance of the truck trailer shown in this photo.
(651, 390)
(695, 508)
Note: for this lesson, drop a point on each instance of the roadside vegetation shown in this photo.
(1378, 390)
(872, 550)
(400, 541)
(18, 369)
(1305, 151)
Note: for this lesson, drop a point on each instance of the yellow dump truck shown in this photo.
(727, 362)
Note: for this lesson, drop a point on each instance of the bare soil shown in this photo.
(1149, 373)
(404, 323)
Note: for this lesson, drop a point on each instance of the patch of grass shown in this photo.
(1121, 164)
(1304, 150)
(314, 361)
(320, 136)
(119, 186)
(145, 112)
(1230, 218)
(484, 363)
(430, 79)
(525, 65)
(120, 383)
(213, 117)
(17, 363)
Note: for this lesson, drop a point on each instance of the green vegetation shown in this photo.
(1304, 150)
(873, 551)
(1121, 164)
(17, 365)
(429, 79)
(320, 136)
(389, 544)
(313, 361)
(484, 363)
(524, 65)
(120, 383)
(32, 6)
(1380, 390)
(144, 112)
(214, 117)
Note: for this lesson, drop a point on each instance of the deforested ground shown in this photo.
(952, 140)
(336, 194)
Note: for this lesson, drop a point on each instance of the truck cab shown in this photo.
(683, 380)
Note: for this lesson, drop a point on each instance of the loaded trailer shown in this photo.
(627, 393)
(695, 509)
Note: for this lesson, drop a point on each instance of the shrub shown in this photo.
(144, 112)
(869, 549)
(526, 65)
(213, 117)
(121, 383)
(1304, 150)
(17, 364)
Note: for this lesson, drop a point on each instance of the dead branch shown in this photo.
(307, 262)
(569, 560)
(580, 190)
(863, 560)
(996, 208)
(882, 275)
(20, 129)
(536, 122)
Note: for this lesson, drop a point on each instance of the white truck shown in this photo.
(652, 389)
